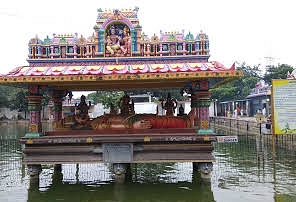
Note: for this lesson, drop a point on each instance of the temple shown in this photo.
(119, 34)
(119, 56)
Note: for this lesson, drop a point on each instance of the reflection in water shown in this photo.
(131, 190)
(245, 171)
(256, 169)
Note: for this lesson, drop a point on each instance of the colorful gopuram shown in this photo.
(119, 34)
(119, 56)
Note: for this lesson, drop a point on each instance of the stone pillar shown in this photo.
(202, 112)
(58, 104)
(148, 49)
(75, 51)
(51, 51)
(34, 107)
(200, 100)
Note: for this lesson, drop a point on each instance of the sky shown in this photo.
(239, 31)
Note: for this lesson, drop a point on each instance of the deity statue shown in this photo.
(81, 118)
(126, 105)
(181, 110)
(170, 105)
(118, 41)
(113, 41)
(142, 121)
(126, 41)
(134, 121)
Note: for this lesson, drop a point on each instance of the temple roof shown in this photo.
(121, 76)
(119, 56)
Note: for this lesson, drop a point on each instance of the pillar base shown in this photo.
(204, 168)
(119, 168)
(34, 170)
(33, 134)
(122, 172)
(57, 167)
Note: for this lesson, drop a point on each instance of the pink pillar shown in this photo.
(75, 51)
(148, 49)
(200, 101)
(58, 104)
(51, 51)
(34, 107)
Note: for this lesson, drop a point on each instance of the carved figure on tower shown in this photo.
(126, 41)
(112, 41)
(118, 41)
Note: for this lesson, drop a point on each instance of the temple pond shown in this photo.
(243, 171)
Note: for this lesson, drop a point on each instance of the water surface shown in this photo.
(250, 170)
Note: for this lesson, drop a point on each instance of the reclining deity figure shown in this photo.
(127, 119)
(142, 121)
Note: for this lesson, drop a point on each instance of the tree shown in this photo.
(44, 102)
(112, 97)
(277, 72)
(19, 102)
(106, 98)
(3, 97)
(239, 88)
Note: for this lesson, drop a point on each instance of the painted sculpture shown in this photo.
(170, 105)
(126, 119)
(118, 34)
(118, 41)
(126, 105)
(81, 118)
(141, 121)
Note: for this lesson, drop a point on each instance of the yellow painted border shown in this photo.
(116, 77)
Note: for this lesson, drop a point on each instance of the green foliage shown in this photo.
(224, 93)
(112, 97)
(163, 93)
(288, 130)
(4, 95)
(106, 98)
(284, 197)
(46, 99)
(19, 101)
(277, 72)
(13, 98)
(239, 88)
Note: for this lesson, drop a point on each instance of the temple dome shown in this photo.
(35, 40)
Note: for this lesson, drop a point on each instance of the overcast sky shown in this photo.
(238, 30)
